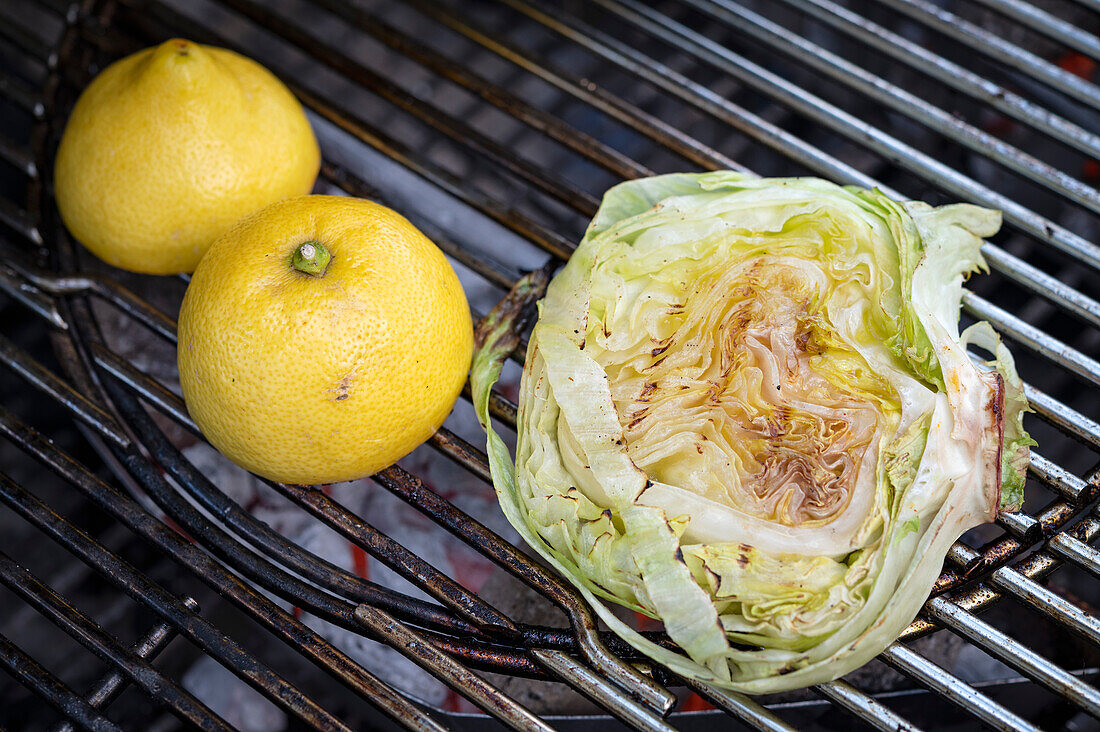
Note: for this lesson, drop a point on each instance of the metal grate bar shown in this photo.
(27, 43)
(586, 91)
(892, 96)
(1046, 602)
(36, 678)
(1020, 525)
(956, 690)
(228, 585)
(1068, 420)
(409, 489)
(31, 297)
(1076, 551)
(870, 710)
(740, 706)
(681, 87)
(859, 131)
(225, 650)
(957, 77)
(18, 220)
(991, 45)
(1004, 648)
(18, 157)
(108, 290)
(113, 684)
(544, 180)
(1055, 476)
(500, 274)
(411, 645)
(1033, 338)
(83, 629)
(74, 402)
(599, 690)
(1084, 308)
(1033, 18)
(398, 558)
(550, 125)
(1093, 5)
(17, 92)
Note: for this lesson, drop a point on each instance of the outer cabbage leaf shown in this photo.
(747, 410)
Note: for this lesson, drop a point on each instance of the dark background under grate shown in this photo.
(496, 126)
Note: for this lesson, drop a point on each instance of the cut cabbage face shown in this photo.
(747, 411)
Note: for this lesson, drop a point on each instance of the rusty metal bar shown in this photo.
(34, 299)
(84, 630)
(148, 646)
(409, 643)
(1076, 551)
(74, 402)
(51, 689)
(278, 621)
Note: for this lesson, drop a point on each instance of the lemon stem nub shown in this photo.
(311, 257)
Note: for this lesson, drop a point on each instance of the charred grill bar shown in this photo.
(746, 110)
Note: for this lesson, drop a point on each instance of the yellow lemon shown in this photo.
(321, 339)
(170, 146)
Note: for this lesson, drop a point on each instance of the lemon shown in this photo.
(170, 146)
(321, 339)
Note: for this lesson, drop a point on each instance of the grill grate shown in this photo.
(519, 116)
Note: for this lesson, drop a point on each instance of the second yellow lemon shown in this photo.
(322, 339)
(170, 146)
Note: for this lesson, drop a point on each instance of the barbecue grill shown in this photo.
(495, 126)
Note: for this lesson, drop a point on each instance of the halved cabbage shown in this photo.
(747, 411)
